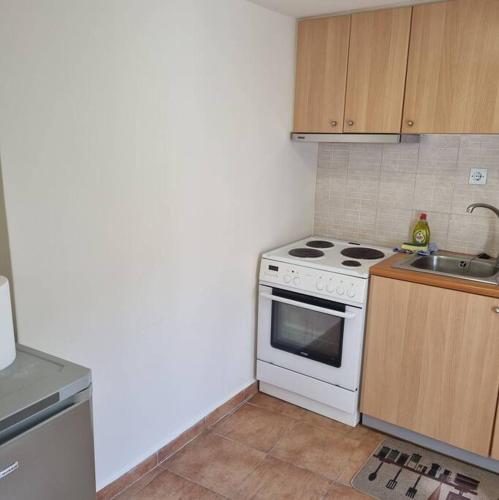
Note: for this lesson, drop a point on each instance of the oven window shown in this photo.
(310, 334)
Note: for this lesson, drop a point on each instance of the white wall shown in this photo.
(146, 162)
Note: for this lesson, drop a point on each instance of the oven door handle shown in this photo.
(331, 312)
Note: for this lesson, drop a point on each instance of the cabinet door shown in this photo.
(431, 362)
(377, 65)
(55, 459)
(453, 70)
(321, 72)
(494, 451)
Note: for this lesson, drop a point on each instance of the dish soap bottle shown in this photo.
(421, 232)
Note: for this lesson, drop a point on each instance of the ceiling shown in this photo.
(305, 8)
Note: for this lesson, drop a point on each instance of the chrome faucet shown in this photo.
(472, 207)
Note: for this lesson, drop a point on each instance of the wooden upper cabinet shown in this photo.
(431, 362)
(321, 71)
(377, 65)
(453, 71)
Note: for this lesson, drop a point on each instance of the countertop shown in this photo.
(386, 270)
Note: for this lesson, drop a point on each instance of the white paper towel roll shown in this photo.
(7, 340)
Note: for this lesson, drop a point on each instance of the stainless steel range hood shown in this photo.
(369, 138)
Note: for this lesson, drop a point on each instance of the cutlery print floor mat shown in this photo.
(400, 470)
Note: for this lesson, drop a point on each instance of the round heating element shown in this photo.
(351, 263)
(319, 244)
(362, 253)
(310, 253)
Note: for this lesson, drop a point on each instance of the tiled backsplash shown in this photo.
(373, 193)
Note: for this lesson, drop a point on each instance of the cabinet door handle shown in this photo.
(410, 123)
(333, 123)
(350, 123)
(496, 310)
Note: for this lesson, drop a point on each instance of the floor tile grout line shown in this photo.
(206, 427)
(161, 464)
(268, 453)
(277, 412)
(138, 479)
(230, 412)
(284, 431)
(331, 485)
(304, 468)
(300, 419)
(291, 463)
(158, 466)
(335, 480)
(317, 426)
(251, 472)
(365, 462)
(197, 483)
(240, 444)
(212, 429)
(183, 446)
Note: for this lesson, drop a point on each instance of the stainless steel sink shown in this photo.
(457, 265)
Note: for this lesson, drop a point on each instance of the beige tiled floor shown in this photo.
(267, 449)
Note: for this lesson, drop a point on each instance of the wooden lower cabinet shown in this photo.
(432, 362)
(494, 452)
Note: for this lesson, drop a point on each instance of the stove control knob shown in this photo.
(287, 278)
(340, 290)
(320, 284)
(330, 287)
(296, 280)
(351, 293)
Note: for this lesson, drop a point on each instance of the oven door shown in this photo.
(311, 335)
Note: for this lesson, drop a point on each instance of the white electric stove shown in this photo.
(312, 308)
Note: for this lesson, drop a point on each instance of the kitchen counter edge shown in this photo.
(385, 269)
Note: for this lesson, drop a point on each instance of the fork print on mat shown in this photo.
(401, 460)
(403, 470)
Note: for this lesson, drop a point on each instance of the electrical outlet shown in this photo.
(478, 176)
